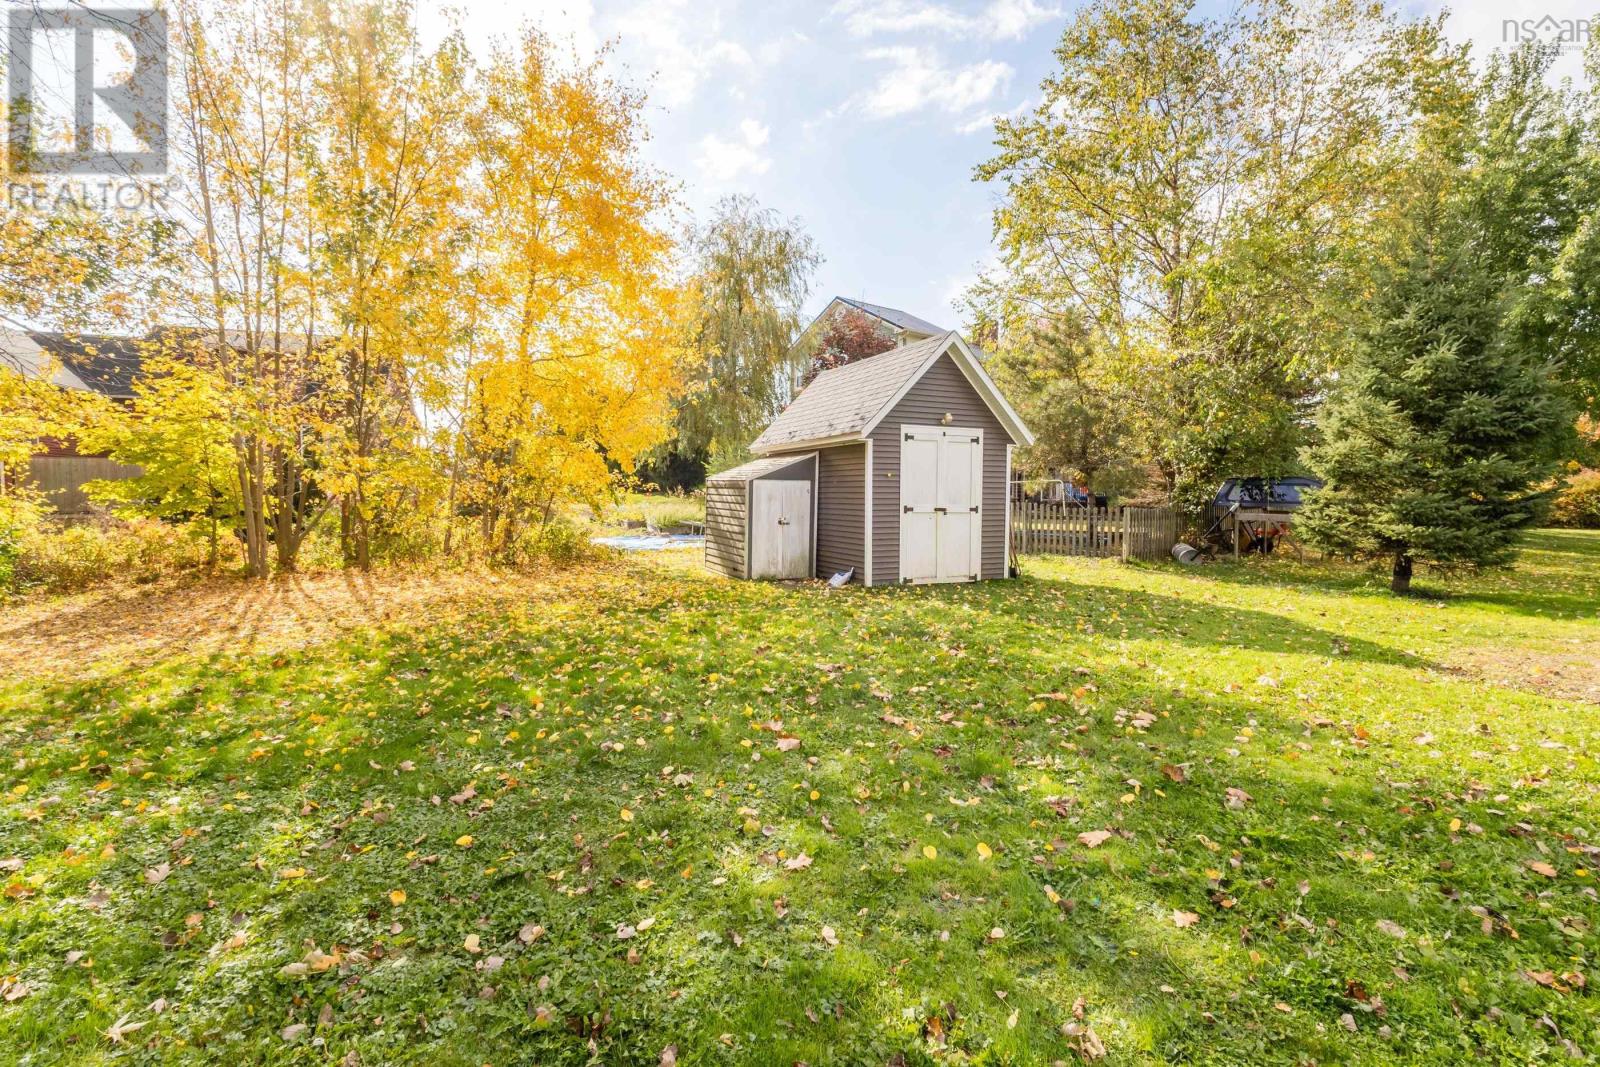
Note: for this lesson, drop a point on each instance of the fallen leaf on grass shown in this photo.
(996, 934)
(669, 1056)
(1392, 928)
(1174, 772)
(929, 852)
(12, 990)
(797, 863)
(471, 943)
(984, 851)
(1084, 1040)
(1236, 799)
(1094, 838)
(788, 744)
(530, 933)
(1181, 919)
(397, 897)
(1541, 867)
(464, 841)
(293, 1031)
(121, 1028)
(829, 937)
(158, 874)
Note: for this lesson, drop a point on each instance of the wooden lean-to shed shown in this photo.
(760, 518)
(911, 458)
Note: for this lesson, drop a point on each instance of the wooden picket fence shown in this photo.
(1107, 533)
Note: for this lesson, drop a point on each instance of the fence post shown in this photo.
(1127, 515)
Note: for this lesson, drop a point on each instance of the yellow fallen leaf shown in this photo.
(930, 852)
(397, 896)
(292, 872)
(627, 816)
(984, 851)
(1455, 825)
(465, 840)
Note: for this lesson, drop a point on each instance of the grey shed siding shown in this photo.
(943, 389)
(841, 534)
(726, 524)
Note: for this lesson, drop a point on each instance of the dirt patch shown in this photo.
(130, 627)
(1564, 674)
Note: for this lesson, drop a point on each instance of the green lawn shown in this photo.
(1231, 814)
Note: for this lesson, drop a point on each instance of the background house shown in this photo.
(93, 363)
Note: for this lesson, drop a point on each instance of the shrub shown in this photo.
(1577, 504)
(60, 559)
(561, 542)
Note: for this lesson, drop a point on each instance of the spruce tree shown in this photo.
(1440, 428)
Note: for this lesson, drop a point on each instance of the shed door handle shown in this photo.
(783, 522)
(942, 511)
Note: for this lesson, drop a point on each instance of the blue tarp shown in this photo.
(651, 542)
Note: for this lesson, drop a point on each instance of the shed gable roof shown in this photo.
(847, 403)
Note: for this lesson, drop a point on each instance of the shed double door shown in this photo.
(941, 494)
(780, 529)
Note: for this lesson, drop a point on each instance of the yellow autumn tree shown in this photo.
(387, 156)
(577, 356)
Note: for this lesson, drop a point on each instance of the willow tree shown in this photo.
(752, 271)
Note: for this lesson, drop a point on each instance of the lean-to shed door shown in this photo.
(941, 486)
(780, 529)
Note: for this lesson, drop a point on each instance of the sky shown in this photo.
(862, 118)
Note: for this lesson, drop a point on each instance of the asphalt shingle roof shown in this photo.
(844, 400)
(902, 319)
(749, 472)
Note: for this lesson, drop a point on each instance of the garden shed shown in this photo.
(910, 453)
(760, 518)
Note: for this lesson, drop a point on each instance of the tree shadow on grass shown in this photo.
(919, 730)
(1557, 575)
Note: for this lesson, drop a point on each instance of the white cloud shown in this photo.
(997, 20)
(918, 79)
(681, 44)
(725, 159)
(983, 123)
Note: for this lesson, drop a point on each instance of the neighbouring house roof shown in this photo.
(847, 403)
(900, 320)
(101, 364)
(87, 363)
(756, 468)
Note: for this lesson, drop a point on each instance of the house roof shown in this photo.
(756, 468)
(903, 320)
(90, 363)
(104, 365)
(847, 403)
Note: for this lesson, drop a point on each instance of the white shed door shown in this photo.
(941, 490)
(780, 529)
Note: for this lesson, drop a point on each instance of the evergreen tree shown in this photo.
(1441, 426)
